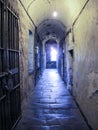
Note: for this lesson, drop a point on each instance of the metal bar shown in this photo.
(1, 49)
(3, 74)
(2, 1)
(0, 22)
(16, 122)
(12, 12)
(14, 71)
(12, 33)
(2, 110)
(9, 29)
(13, 50)
(17, 34)
(2, 98)
(17, 86)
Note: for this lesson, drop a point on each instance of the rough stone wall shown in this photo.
(26, 79)
(69, 48)
(85, 87)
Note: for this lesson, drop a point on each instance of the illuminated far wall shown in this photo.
(51, 54)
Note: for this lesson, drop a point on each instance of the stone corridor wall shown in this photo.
(26, 80)
(85, 71)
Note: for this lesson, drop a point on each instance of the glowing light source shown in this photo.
(55, 14)
(53, 54)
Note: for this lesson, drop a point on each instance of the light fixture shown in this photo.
(55, 14)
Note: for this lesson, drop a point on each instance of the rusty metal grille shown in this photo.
(3, 102)
(1, 39)
(10, 108)
(13, 56)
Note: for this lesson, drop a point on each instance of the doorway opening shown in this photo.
(71, 60)
(51, 54)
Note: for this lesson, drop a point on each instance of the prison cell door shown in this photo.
(10, 108)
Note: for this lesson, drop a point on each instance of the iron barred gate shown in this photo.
(10, 108)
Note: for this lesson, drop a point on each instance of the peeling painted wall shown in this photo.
(85, 69)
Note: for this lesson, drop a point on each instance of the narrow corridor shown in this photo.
(51, 107)
(41, 36)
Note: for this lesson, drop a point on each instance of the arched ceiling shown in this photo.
(51, 28)
(41, 12)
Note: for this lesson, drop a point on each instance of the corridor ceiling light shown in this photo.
(55, 14)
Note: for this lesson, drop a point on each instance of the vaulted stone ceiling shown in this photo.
(42, 10)
(51, 28)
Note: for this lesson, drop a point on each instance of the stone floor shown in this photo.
(51, 107)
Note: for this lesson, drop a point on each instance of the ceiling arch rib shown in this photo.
(32, 1)
(42, 10)
(30, 4)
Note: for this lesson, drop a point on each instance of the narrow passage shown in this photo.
(51, 107)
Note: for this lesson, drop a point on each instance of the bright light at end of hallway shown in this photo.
(53, 54)
(55, 14)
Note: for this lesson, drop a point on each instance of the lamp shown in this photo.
(55, 13)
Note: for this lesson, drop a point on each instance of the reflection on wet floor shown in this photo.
(51, 107)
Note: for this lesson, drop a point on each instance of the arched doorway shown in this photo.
(51, 54)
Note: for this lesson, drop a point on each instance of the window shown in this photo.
(31, 52)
